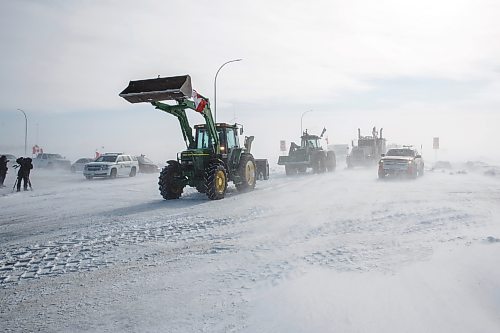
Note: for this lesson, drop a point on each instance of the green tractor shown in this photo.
(213, 156)
(309, 154)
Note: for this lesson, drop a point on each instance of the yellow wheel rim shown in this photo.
(220, 181)
(250, 173)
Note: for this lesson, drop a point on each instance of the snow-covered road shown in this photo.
(336, 252)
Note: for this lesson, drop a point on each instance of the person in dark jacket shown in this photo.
(23, 174)
(3, 169)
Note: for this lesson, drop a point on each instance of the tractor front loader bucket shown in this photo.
(160, 89)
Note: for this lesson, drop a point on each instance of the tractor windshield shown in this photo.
(311, 143)
(202, 138)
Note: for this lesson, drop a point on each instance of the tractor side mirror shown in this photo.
(241, 130)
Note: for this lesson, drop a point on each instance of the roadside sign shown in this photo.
(435, 143)
(282, 145)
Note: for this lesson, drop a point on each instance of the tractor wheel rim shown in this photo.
(250, 173)
(220, 180)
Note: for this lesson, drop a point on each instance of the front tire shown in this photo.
(215, 181)
(167, 182)
(421, 173)
(247, 172)
(89, 177)
(112, 175)
(133, 172)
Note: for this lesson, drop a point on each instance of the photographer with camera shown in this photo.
(3, 169)
(23, 174)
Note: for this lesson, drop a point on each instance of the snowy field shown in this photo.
(336, 252)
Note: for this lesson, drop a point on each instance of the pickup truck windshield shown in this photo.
(401, 152)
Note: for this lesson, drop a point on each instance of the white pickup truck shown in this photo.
(51, 161)
(401, 162)
(112, 165)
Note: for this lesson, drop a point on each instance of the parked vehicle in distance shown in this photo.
(11, 160)
(80, 164)
(51, 161)
(111, 165)
(401, 162)
(146, 165)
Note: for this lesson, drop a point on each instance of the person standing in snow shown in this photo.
(3, 169)
(23, 174)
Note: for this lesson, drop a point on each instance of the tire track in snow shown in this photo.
(79, 252)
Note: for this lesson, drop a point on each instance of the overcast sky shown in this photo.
(418, 69)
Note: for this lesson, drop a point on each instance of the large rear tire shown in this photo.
(201, 188)
(167, 184)
(319, 163)
(248, 173)
(216, 181)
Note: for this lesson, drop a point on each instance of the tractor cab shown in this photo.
(310, 141)
(228, 137)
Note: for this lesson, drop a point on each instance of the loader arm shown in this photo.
(187, 132)
(179, 112)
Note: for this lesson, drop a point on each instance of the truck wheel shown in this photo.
(247, 173)
(112, 175)
(215, 181)
(290, 170)
(167, 184)
(133, 172)
(414, 173)
(421, 173)
(89, 177)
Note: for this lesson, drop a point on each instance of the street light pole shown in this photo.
(301, 117)
(215, 86)
(25, 132)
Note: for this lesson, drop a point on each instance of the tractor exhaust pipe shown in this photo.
(359, 133)
(160, 89)
(381, 133)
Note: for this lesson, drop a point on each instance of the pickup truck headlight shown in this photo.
(105, 167)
